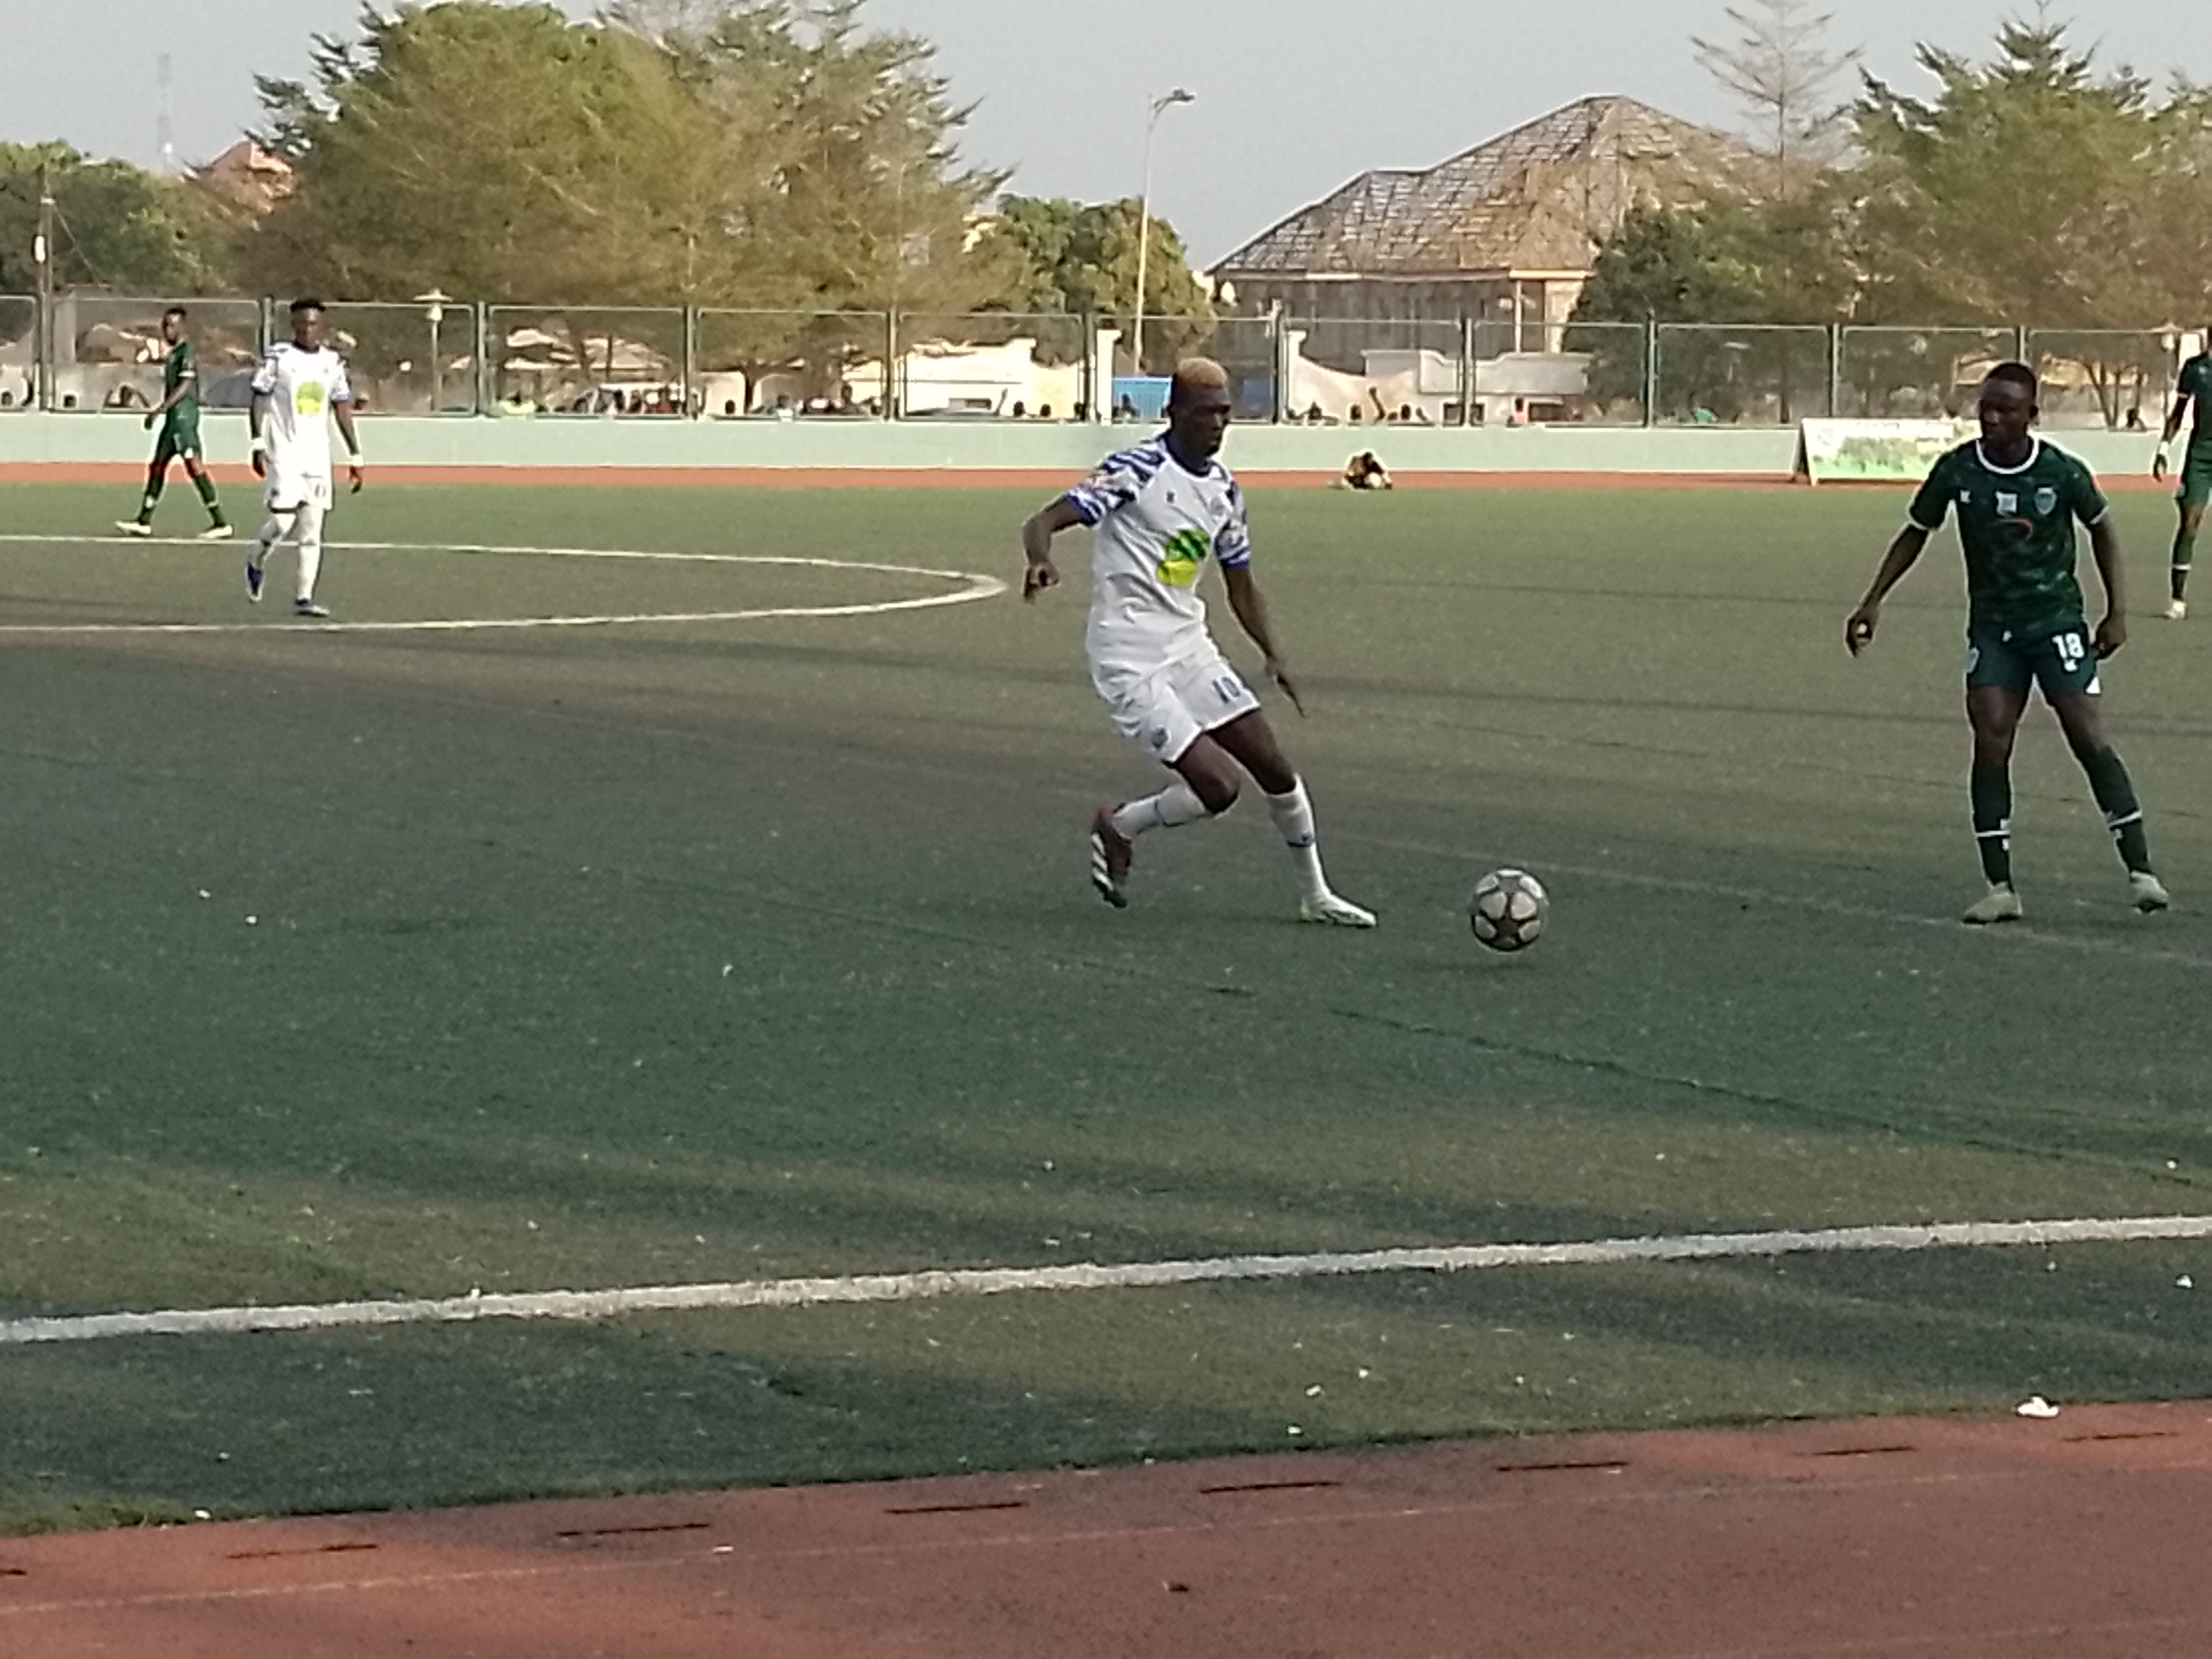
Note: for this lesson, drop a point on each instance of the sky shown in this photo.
(1293, 96)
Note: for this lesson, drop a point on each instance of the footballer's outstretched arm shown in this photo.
(1250, 606)
(1039, 572)
(1858, 628)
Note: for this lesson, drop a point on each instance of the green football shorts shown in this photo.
(2062, 660)
(2195, 475)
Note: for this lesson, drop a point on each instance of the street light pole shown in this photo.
(42, 255)
(1160, 106)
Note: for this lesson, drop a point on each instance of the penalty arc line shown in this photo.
(931, 1284)
(973, 588)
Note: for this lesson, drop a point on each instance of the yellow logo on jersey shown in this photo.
(1183, 557)
(307, 398)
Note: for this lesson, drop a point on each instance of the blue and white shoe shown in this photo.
(253, 582)
(307, 608)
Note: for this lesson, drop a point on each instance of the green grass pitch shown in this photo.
(338, 966)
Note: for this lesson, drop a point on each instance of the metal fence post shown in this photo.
(1651, 370)
(487, 370)
(42, 354)
(1279, 365)
(693, 404)
(1086, 382)
(2020, 343)
(1466, 370)
(264, 325)
(1835, 370)
(894, 370)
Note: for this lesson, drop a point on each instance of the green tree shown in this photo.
(117, 227)
(1782, 70)
(496, 152)
(1749, 280)
(2014, 195)
(1082, 258)
(866, 199)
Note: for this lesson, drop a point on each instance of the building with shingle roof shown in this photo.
(1505, 233)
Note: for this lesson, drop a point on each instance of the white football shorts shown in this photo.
(1164, 708)
(286, 490)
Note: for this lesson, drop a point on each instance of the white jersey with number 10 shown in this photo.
(1155, 526)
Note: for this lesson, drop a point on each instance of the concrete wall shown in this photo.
(80, 441)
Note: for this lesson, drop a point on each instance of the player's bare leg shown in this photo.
(2083, 723)
(1994, 712)
(1250, 741)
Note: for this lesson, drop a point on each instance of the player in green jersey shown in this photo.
(2018, 499)
(178, 414)
(2194, 388)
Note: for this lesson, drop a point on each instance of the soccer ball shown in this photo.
(1508, 910)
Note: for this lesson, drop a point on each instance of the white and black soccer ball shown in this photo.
(1509, 909)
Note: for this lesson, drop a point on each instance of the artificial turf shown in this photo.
(354, 965)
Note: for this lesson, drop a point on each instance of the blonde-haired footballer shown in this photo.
(1159, 514)
(300, 388)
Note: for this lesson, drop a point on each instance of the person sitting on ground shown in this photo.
(1364, 471)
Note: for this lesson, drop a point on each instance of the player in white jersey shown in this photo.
(297, 390)
(1159, 514)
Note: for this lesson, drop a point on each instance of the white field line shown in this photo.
(972, 588)
(574, 1305)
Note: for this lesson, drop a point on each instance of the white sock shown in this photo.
(311, 562)
(1172, 808)
(278, 527)
(1294, 818)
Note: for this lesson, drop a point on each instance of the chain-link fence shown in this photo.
(105, 352)
(2106, 379)
(418, 359)
(1915, 373)
(440, 357)
(19, 352)
(615, 361)
(1715, 374)
(996, 365)
(1367, 372)
(1602, 377)
(788, 363)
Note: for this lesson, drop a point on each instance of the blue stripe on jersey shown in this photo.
(1118, 480)
(1232, 548)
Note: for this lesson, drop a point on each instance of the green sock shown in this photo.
(152, 498)
(2185, 555)
(205, 484)
(1991, 787)
(2116, 797)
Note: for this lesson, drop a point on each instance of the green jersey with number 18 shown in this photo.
(2016, 526)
